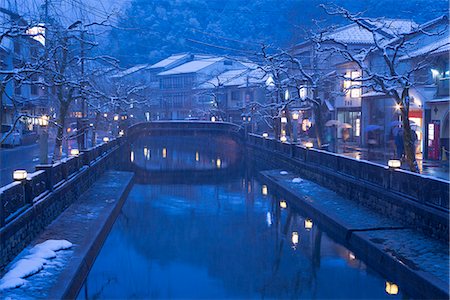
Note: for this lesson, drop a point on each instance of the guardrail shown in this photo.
(17, 196)
(424, 189)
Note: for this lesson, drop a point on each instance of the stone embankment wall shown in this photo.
(415, 200)
(28, 206)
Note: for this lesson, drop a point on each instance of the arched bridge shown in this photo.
(171, 128)
(188, 150)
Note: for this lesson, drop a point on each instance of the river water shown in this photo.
(224, 237)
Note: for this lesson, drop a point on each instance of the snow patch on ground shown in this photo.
(283, 173)
(297, 180)
(32, 263)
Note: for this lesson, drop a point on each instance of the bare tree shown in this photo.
(382, 70)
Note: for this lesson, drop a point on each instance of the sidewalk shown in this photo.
(435, 168)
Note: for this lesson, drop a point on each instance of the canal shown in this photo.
(223, 235)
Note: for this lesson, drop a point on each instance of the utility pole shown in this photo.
(43, 135)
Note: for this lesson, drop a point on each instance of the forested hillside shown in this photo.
(148, 30)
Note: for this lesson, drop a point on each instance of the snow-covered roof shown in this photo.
(192, 66)
(130, 70)
(167, 61)
(222, 79)
(440, 46)
(354, 34)
(254, 77)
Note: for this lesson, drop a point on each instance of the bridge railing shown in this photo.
(184, 127)
(19, 195)
(427, 190)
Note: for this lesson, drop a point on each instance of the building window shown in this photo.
(350, 84)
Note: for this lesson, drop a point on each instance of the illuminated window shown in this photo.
(349, 82)
(357, 127)
(355, 92)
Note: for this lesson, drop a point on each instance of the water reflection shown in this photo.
(184, 153)
(227, 240)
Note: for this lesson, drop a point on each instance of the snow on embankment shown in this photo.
(33, 263)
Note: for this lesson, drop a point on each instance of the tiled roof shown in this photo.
(130, 71)
(167, 61)
(192, 66)
(354, 34)
(440, 46)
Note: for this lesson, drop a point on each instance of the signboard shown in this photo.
(433, 139)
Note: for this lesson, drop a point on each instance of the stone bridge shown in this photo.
(186, 128)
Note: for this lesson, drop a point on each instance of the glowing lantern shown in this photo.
(308, 224)
(106, 139)
(19, 175)
(309, 145)
(391, 288)
(265, 135)
(283, 139)
(74, 152)
(295, 238)
(264, 190)
(218, 163)
(394, 163)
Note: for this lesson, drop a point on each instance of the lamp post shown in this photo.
(43, 139)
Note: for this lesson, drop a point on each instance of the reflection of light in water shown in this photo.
(249, 188)
(164, 152)
(308, 224)
(197, 156)
(218, 163)
(269, 219)
(283, 204)
(264, 190)
(351, 256)
(294, 238)
(391, 288)
(132, 156)
(145, 151)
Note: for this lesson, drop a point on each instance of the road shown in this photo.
(23, 157)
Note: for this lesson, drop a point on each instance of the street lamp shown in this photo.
(265, 135)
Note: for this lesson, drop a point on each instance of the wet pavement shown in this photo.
(433, 168)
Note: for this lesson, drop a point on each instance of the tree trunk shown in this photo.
(57, 153)
(318, 123)
(409, 145)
